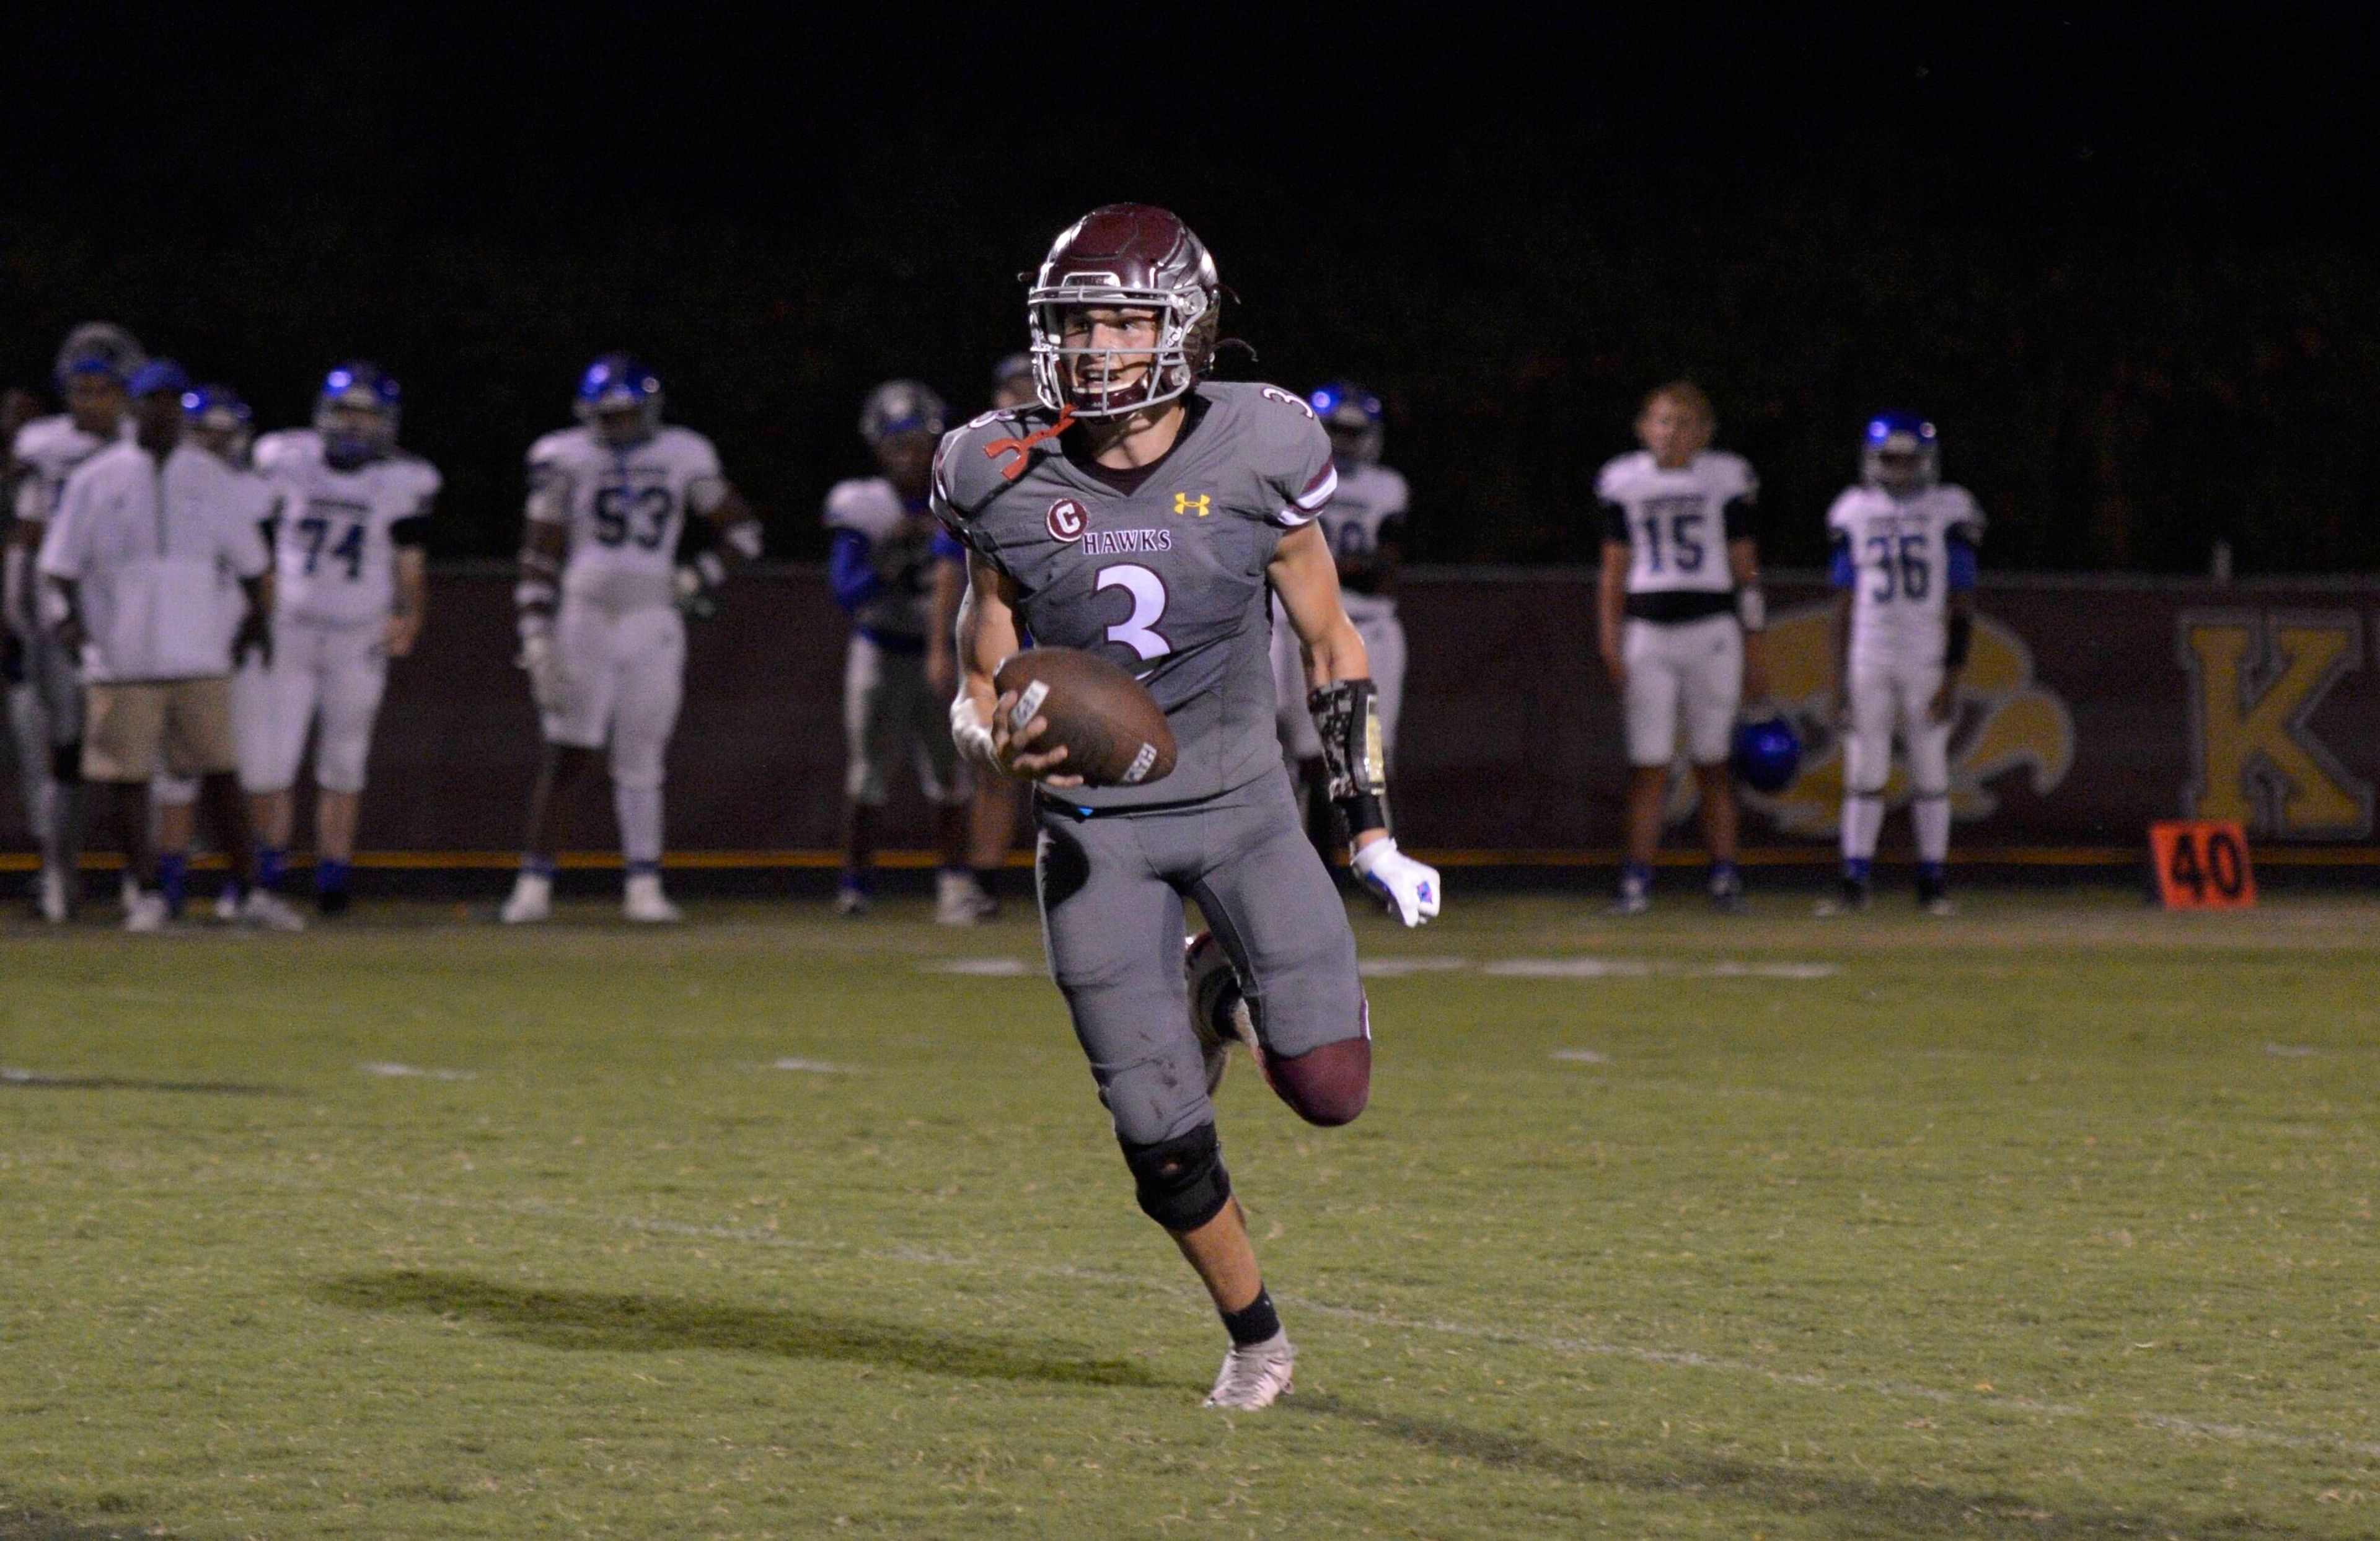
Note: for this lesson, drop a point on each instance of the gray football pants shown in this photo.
(1111, 887)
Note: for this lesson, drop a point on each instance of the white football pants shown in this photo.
(1887, 699)
(887, 715)
(1685, 674)
(322, 675)
(623, 678)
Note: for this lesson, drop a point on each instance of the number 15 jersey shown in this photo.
(622, 509)
(1676, 525)
(1162, 571)
(1899, 557)
(336, 531)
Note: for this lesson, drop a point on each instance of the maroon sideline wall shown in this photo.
(1511, 738)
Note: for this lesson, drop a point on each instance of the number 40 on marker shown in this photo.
(2201, 865)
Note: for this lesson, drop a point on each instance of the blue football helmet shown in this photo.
(1900, 454)
(357, 413)
(100, 348)
(1353, 417)
(620, 400)
(900, 407)
(219, 421)
(1767, 753)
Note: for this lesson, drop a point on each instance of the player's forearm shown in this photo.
(540, 588)
(1336, 654)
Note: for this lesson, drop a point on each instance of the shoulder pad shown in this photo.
(975, 459)
(557, 447)
(864, 504)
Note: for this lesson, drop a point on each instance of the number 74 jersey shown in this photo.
(1900, 558)
(336, 531)
(1165, 574)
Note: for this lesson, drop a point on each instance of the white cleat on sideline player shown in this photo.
(145, 912)
(1254, 1375)
(643, 901)
(532, 902)
(267, 911)
(958, 899)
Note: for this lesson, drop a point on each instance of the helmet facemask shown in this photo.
(1187, 320)
(1900, 461)
(356, 415)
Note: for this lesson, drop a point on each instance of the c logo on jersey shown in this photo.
(1067, 520)
(2004, 720)
(1185, 504)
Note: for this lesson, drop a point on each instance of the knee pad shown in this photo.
(1327, 1085)
(65, 763)
(1181, 1182)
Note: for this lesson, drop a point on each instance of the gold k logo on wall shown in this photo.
(2256, 678)
(2006, 721)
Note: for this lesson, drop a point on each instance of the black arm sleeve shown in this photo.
(1615, 521)
(1742, 518)
(1347, 720)
(412, 530)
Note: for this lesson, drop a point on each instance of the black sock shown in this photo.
(1254, 1322)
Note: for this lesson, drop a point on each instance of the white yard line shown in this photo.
(390, 1067)
(1545, 1342)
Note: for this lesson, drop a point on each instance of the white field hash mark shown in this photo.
(390, 1067)
(1643, 969)
(1548, 1342)
(816, 1067)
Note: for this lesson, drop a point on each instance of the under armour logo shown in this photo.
(1185, 504)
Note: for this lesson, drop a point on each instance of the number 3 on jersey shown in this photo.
(1138, 630)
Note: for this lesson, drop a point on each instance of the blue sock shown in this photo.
(173, 876)
(270, 860)
(537, 866)
(644, 868)
(1857, 869)
(329, 875)
(1723, 873)
(1636, 875)
(1934, 871)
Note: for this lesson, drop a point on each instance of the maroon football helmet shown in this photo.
(1125, 254)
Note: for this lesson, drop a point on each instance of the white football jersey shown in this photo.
(1370, 502)
(899, 544)
(50, 448)
(622, 509)
(1895, 556)
(335, 540)
(1677, 523)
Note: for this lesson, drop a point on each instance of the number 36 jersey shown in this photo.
(1899, 557)
(1163, 570)
(337, 532)
(622, 509)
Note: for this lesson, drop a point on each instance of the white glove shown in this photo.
(1411, 887)
(547, 686)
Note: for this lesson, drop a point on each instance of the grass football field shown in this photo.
(2054, 1219)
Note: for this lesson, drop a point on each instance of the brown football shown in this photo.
(1114, 732)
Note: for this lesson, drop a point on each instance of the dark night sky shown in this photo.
(857, 195)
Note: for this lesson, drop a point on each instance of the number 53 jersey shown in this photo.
(334, 544)
(1899, 557)
(622, 509)
(1161, 570)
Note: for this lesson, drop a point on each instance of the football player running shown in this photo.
(1678, 614)
(1904, 613)
(351, 593)
(1363, 526)
(602, 605)
(883, 552)
(1146, 514)
(45, 704)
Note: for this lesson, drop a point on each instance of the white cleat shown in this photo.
(1219, 1011)
(1254, 1375)
(959, 900)
(228, 904)
(851, 901)
(644, 902)
(267, 911)
(51, 895)
(145, 912)
(532, 902)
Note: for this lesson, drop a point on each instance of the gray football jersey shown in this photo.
(1167, 579)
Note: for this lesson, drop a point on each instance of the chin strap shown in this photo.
(1347, 719)
(1023, 447)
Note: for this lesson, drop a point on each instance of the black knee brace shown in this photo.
(1181, 1181)
(65, 764)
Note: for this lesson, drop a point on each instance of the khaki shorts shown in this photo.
(186, 723)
